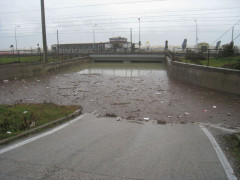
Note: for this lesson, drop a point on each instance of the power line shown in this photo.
(236, 37)
(226, 32)
(124, 22)
(149, 12)
(89, 5)
(135, 29)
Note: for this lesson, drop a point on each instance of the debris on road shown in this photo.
(110, 115)
(119, 118)
(180, 116)
(161, 122)
(120, 103)
(146, 118)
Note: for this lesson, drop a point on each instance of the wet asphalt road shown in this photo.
(130, 90)
(103, 148)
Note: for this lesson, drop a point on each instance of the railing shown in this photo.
(208, 57)
(31, 56)
(34, 56)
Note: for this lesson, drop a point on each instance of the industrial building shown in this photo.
(203, 46)
(115, 44)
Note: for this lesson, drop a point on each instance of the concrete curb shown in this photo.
(40, 128)
(237, 135)
(234, 132)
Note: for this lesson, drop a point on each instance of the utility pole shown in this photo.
(57, 42)
(196, 34)
(139, 34)
(94, 36)
(16, 37)
(232, 32)
(131, 36)
(44, 36)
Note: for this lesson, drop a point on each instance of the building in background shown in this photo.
(203, 46)
(119, 44)
(79, 47)
(115, 44)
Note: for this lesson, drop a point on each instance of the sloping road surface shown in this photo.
(103, 148)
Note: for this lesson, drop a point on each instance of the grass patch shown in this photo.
(226, 62)
(5, 60)
(233, 146)
(15, 59)
(17, 118)
(221, 62)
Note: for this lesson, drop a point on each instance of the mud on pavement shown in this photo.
(129, 90)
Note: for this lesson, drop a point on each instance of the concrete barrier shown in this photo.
(127, 57)
(23, 70)
(221, 79)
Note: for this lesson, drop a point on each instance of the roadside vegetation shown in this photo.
(23, 59)
(232, 146)
(224, 62)
(17, 118)
(228, 57)
(16, 59)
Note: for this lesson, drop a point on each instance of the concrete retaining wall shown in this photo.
(127, 57)
(22, 70)
(221, 79)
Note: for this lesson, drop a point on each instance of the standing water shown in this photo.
(129, 90)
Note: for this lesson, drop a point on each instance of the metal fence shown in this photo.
(208, 57)
(34, 56)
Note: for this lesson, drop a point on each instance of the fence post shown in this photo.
(18, 57)
(186, 54)
(208, 58)
(40, 56)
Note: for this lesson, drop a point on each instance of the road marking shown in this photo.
(228, 169)
(39, 136)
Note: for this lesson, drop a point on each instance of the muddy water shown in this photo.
(129, 90)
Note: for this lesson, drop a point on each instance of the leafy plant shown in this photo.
(195, 57)
(228, 50)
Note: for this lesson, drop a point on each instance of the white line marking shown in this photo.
(221, 156)
(39, 136)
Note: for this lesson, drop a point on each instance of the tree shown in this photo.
(228, 50)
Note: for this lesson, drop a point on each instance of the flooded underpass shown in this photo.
(134, 91)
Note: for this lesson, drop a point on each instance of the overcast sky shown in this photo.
(160, 20)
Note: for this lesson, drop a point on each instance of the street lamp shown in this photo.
(94, 36)
(139, 34)
(16, 36)
(196, 34)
